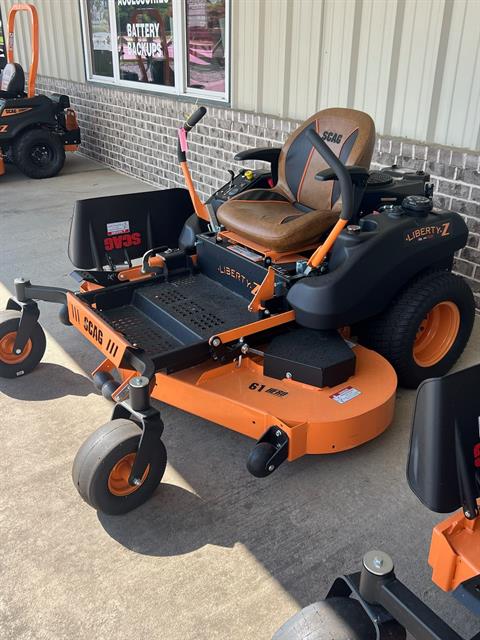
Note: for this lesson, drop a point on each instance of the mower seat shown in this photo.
(299, 209)
(12, 83)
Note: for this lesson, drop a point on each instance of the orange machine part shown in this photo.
(96, 331)
(239, 396)
(200, 208)
(455, 551)
(6, 349)
(32, 11)
(264, 291)
(436, 334)
(118, 477)
(320, 254)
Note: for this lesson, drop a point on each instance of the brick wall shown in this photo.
(135, 133)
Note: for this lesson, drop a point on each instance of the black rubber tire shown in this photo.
(332, 619)
(9, 321)
(100, 378)
(392, 334)
(258, 458)
(98, 455)
(22, 149)
(108, 388)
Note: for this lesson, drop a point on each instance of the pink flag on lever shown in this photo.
(182, 136)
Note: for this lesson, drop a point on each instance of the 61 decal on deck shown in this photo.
(100, 334)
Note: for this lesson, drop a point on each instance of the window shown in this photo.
(171, 46)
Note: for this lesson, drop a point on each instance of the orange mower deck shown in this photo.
(317, 421)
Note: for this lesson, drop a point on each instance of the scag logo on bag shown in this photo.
(122, 241)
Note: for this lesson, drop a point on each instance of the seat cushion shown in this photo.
(267, 217)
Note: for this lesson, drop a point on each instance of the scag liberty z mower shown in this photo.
(443, 471)
(35, 130)
(243, 310)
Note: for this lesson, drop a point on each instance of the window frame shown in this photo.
(180, 89)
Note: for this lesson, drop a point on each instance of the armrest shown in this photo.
(266, 154)
(356, 173)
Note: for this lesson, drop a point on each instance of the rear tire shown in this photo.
(425, 329)
(39, 153)
(102, 466)
(13, 365)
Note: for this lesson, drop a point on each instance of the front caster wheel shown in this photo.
(13, 364)
(103, 464)
(258, 462)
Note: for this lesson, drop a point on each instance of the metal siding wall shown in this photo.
(61, 47)
(414, 65)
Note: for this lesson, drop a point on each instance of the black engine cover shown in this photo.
(367, 269)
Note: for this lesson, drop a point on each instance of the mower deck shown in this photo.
(317, 420)
(174, 320)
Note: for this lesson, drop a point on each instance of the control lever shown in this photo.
(232, 176)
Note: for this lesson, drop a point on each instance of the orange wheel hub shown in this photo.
(118, 479)
(436, 334)
(6, 349)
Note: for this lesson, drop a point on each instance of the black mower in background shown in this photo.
(35, 130)
(444, 473)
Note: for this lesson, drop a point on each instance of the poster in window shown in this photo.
(206, 44)
(145, 41)
(100, 37)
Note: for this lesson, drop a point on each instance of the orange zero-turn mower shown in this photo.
(282, 312)
(444, 473)
(35, 130)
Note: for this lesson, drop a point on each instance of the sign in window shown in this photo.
(176, 46)
(145, 42)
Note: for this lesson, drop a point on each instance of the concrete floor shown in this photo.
(216, 553)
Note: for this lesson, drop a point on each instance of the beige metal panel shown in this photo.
(61, 48)
(273, 91)
(247, 36)
(304, 59)
(458, 121)
(419, 46)
(337, 37)
(376, 59)
(414, 65)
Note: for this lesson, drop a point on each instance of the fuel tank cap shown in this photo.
(419, 205)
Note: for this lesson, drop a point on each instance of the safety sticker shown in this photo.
(113, 228)
(345, 395)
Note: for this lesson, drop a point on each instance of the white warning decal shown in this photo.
(345, 395)
(114, 228)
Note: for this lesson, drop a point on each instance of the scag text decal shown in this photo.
(256, 386)
(93, 330)
(122, 241)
